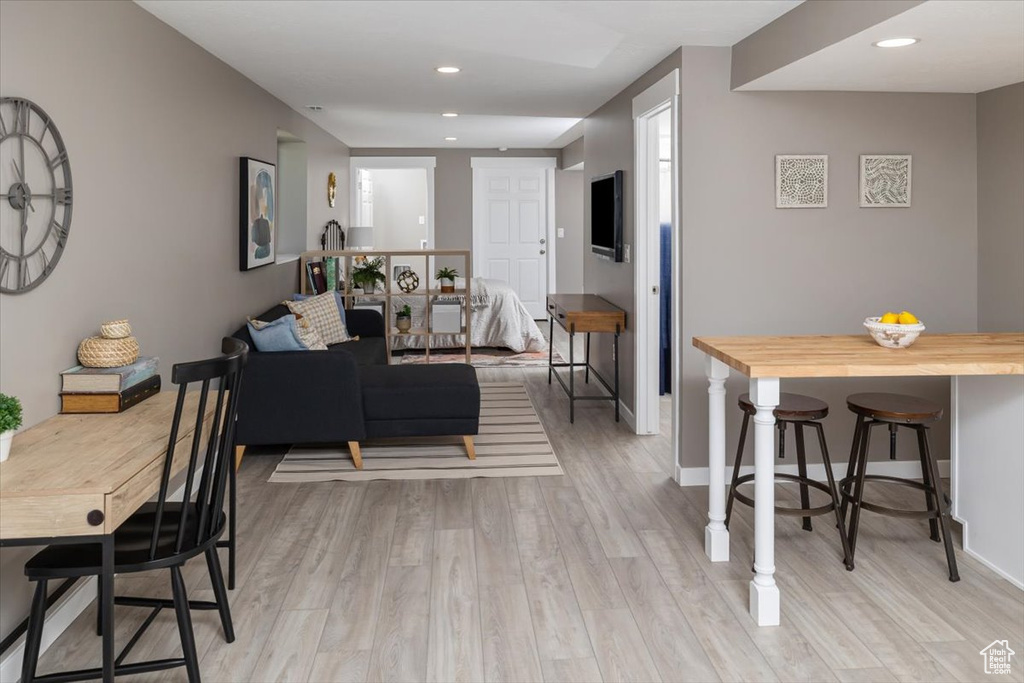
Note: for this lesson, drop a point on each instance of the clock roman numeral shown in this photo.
(5, 265)
(59, 160)
(21, 117)
(3, 126)
(57, 231)
(62, 195)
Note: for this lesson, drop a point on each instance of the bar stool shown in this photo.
(799, 411)
(895, 411)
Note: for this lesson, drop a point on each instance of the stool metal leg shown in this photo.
(835, 494)
(801, 463)
(930, 487)
(852, 464)
(858, 489)
(944, 519)
(736, 467)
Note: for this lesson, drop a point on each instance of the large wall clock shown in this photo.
(35, 207)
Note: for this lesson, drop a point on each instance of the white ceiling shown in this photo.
(530, 70)
(966, 46)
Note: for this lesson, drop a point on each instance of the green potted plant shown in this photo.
(367, 274)
(403, 319)
(447, 278)
(10, 420)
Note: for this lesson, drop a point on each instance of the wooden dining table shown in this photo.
(77, 478)
(768, 360)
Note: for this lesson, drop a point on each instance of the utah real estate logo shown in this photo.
(997, 657)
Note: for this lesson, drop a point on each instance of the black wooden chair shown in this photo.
(162, 534)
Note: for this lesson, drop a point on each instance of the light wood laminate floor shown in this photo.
(596, 575)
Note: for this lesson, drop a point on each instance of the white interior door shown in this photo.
(510, 230)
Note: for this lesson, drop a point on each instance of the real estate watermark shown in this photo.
(997, 657)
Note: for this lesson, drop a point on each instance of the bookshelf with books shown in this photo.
(336, 269)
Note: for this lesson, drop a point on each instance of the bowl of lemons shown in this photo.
(895, 330)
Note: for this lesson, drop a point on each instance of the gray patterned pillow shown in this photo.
(321, 312)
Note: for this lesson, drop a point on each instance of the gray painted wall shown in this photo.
(569, 217)
(154, 126)
(572, 154)
(608, 136)
(1001, 209)
(749, 268)
(292, 171)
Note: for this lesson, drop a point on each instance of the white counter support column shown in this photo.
(716, 536)
(764, 594)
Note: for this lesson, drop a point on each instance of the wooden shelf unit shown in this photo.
(423, 262)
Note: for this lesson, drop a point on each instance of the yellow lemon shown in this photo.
(890, 318)
(908, 318)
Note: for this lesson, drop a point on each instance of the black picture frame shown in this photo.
(257, 213)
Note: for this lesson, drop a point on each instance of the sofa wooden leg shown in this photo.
(239, 454)
(357, 457)
(470, 448)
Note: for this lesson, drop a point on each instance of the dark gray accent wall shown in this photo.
(1001, 209)
(805, 29)
(749, 268)
(154, 126)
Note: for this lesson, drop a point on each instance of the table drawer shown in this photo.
(46, 516)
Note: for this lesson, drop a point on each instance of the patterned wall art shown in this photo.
(885, 180)
(801, 181)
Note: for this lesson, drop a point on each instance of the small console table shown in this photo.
(584, 313)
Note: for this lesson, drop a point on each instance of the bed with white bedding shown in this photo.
(498, 319)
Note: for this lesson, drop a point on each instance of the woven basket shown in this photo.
(98, 352)
(115, 329)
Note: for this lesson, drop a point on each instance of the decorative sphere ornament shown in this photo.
(408, 281)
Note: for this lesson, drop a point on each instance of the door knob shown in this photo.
(543, 251)
(542, 240)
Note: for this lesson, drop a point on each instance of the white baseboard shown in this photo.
(967, 549)
(910, 469)
(627, 415)
(64, 612)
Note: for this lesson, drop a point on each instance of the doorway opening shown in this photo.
(394, 198)
(657, 277)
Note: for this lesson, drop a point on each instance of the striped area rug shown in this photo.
(511, 443)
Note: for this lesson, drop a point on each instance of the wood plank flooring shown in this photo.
(595, 575)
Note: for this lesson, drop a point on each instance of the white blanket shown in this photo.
(499, 319)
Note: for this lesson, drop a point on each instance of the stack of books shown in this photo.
(108, 390)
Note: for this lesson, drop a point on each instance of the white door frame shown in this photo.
(661, 97)
(426, 163)
(546, 164)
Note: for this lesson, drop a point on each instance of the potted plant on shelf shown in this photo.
(10, 420)
(447, 278)
(403, 319)
(367, 274)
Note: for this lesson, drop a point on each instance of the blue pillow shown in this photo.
(338, 298)
(278, 335)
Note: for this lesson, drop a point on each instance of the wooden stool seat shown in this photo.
(895, 408)
(791, 407)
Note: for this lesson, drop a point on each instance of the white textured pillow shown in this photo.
(321, 313)
(308, 335)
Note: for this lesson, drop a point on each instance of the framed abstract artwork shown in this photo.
(257, 213)
(801, 181)
(885, 180)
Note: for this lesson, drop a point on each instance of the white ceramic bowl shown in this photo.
(893, 336)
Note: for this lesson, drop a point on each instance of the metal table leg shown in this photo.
(107, 607)
(551, 345)
(586, 376)
(615, 352)
(572, 375)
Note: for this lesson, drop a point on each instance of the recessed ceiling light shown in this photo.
(447, 69)
(314, 107)
(450, 114)
(896, 42)
(450, 139)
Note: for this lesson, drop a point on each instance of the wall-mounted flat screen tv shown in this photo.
(606, 215)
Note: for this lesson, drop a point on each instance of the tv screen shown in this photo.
(606, 215)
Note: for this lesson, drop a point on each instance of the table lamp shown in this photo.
(360, 238)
